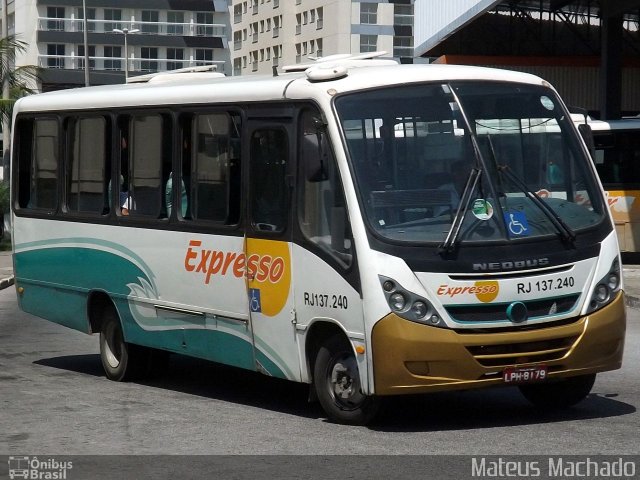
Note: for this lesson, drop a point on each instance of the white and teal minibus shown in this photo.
(368, 228)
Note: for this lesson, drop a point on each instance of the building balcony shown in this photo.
(188, 29)
(136, 64)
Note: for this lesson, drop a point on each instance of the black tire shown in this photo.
(559, 394)
(337, 384)
(121, 361)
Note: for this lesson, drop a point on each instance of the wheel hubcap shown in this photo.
(344, 383)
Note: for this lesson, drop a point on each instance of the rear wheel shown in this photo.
(563, 393)
(121, 360)
(337, 384)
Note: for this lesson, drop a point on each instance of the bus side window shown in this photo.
(215, 169)
(38, 168)
(88, 164)
(269, 190)
(322, 208)
(145, 164)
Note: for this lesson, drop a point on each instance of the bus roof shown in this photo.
(621, 124)
(193, 90)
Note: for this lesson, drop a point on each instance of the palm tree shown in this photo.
(17, 79)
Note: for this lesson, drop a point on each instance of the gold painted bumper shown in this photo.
(413, 358)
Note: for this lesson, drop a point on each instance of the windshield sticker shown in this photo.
(547, 102)
(516, 224)
(482, 209)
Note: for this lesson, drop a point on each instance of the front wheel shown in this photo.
(563, 393)
(337, 383)
(121, 360)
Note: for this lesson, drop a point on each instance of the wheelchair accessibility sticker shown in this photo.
(516, 224)
(254, 300)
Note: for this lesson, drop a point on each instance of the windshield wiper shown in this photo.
(452, 236)
(565, 231)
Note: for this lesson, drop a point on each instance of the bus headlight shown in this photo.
(419, 309)
(397, 301)
(408, 305)
(606, 288)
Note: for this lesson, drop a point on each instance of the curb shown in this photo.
(7, 282)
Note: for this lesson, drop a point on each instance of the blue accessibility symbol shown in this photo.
(254, 300)
(516, 224)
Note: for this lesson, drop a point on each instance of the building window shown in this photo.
(319, 47)
(55, 54)
(175, 54)
(298, 53)
(402, 14)
(92, 54)
(55, 25)
(237, 13)
(112, 52)
(204, 56)
(204, 27)
(368, 43)
(319, 23)
(369, 13)
(150, 20)
(149, 53)
(403, 46)
(237, 66)
(175, 22)
(112, 14)
(298, 23)
(237, 40)
(91, 16)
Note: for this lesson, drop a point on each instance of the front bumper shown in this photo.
(413, 358)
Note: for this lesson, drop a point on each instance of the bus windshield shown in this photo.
(507, 150)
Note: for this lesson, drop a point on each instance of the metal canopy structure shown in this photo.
(563, 32)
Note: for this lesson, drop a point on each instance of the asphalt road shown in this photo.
(55, 399)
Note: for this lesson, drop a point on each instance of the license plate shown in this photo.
(525, 374)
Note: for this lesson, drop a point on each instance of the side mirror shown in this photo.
(314, 158)
(587, 136)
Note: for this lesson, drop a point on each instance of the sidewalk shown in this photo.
(6, 270)
(631, 275)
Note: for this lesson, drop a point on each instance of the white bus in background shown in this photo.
(617, 159)
(368, 228)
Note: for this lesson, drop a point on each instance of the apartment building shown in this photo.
(268, 33)
(159, 35)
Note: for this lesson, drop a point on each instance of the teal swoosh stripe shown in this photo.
(281, 368)
(88, 243)
(78, 266)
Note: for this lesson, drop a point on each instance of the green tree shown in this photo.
(18, 78)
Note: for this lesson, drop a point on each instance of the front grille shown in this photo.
(498, 312)
(518, 353)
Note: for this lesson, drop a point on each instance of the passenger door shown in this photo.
(268, 248)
